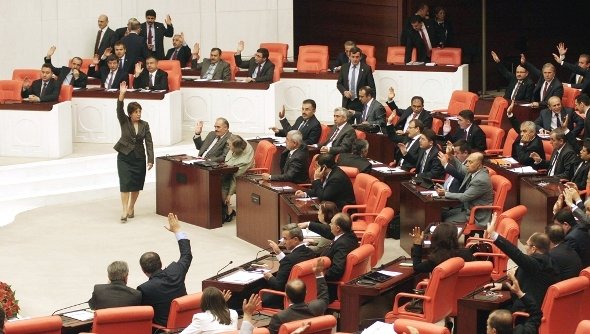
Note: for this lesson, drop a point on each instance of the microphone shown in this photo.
(260, 251)
(65, 308)
(230, 262)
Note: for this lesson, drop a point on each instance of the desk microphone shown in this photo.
(230, 262)
(65, 308)
(267, 249)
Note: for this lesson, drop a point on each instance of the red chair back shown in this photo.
(21, 74)
(172, 67)
(264, 154)
(401, 326)
(446, 56)
(516, 213)
(319, 325)
(312, 59)
(277, 60)
(501, 186)
(369, 52)
(436, 125)
(461, 100)
(86, 62)
(360, 134)
(351, 172)
(40, 325)
(325, 133)
(312, 166)
(358, 262)
(370, 236)
(569, 97)
(377, 199)
(10, 90)
(281, 48)
(494, 136)
(182, 310)
(396, 55)
(557, 305)
(510, 138)
(228, 56)
(548, 148)
(383, 219)
(472, 276)
(362, 187)
(496, 111)
(129, 320)
(65, 93)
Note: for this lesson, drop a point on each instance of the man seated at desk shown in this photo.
(459, 150)
(580, 171)
(293, 161)
(414, 111)
(212, 68)
(260, 68)
(563, 159)
(152, 78)
(406, 156)
(45, 89)
(111, 75)
(68, 75)
(520, 86)
(179, 50)
(582, 104)
(293, 241)
(427, 164)
(468, 130)
(341, 136)
(215, 146)
(307, 123)
(547, 85)
(358, 157)
(527, 142)
(116, 293)
(556, 116)
(373, 112)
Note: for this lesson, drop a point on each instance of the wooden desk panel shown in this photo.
(539, 201)
(394, 181)
(191, 192)
(73, 326)
(513, 196)
(293, 210)
(381, 148)
(469, 308)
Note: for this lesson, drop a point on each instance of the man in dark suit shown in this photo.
(152, 78)
(293, 160)
(468, 130)
(459, 150)
(352, 77)
(576, 232)
(566, 259)
(299, 309)
(358, 157)
(105, 37)
(427, 164)
(580, 171)
(582, 104)
(408, 145)
(520, 86)
(165, 284)
(154, 32)
(110, 75)
(579, 77)
(555, 115)
(307, 123)
(212, 68)
(179, 51)
(421, 37)
(214, 147)
(422, 10)
(547, 85)
(116, 293)
(527, 142)
(260, 69)
(135, 45)
(293, 242)
(330, 183)
(414, 111)
(373, 112)
(45, 89)
(343, 57)
(68, 75)
(121, 56)
(341, 136)
(563, 159)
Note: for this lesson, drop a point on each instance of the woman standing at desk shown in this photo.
(240, 155)
(131, 162)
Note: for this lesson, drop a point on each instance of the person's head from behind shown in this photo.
(118, 271)
(499, 322)
(461, 149)
(150, 263)
(327, 211)
(326, 160)
(360, 147)
(213, 301)
(296, 291)
(555, 233)
(537, 243)
(134, 24)
(564, 219)
(340, 224)
(416, 22)
(236, 144)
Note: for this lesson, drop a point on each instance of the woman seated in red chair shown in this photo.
(216, 316)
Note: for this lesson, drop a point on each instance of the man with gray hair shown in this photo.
(527, 142)
(293, 160)
(563, 159)
(341, 136)
(135, 45)
(116, 293)
(358, 157)
(547, 85)
(214, 147)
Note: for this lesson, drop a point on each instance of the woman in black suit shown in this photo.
(131, 162)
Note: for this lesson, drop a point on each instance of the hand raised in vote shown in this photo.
(123, 87)
(168, 20)
(390, 94)
(495, 57)
(107, 52)
(250, 305)
(565, 122)
(558, 204)
(240, 47)
(138, 68)
(173, 224)
(226, 295)
(417, 235)
(561, 49)
(444, 160)
(282, 112)
(275, 248)
(492, 224)
(274, 129)
(391, 118)
(318, 267)
(449, 148)
(403, 148)
(51, 51)
(198, 127)
(556, 58)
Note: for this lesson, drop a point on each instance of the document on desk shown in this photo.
(385, 169)
(524, 170)
(242, 277)
(305, 199)
(190, 161)
(283, 188)
(432, 193)
(389, 273)
(81, 315)
(379, 327)
(307, 233)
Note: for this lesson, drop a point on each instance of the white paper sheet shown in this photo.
(242, 277)
(379, 327)
(81, 315)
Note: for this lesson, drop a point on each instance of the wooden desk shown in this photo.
(381, 148)
(539, 201)
(258, 209)
(524, 113)
(354, 294)
(470, 307)
(513, 196)
(192, 192)
(73, 326)
(293, 210)
(418, 210)
(276, 159)
(393, 180)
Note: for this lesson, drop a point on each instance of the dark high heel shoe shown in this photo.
(124, 219)
(131, 215)
(230, 217)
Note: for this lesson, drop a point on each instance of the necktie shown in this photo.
(580, 79)
(578, 169)
(150, 36)
(423, 164)
(365, 112)
(515, 90)
(333, 136)
(465, 183)
(151, 84)
(120, 62)
(257, 74)
(111, 80)
(174, 55)
(426, 45)
(68, 78)
(553, 163)
(43, 89)
(353, 82)
(557, 121)
(302, 125)
(97, 43)
(466, 134)
(545, 90)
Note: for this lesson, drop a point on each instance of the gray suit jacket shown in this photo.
(222, 71)
(218, 152)
(375, 114)
(114, 294)
(343, 141)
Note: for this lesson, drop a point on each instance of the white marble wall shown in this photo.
(28, 28)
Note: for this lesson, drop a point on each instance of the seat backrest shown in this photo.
(65, 93)
(276, 58)
(436, 124)
(21, 74)
(304, 271)
(362, 187)
(40, 325)
(583, 327)
(258, 330)
(372, 62)
(312, 166)
(508, 228)
(358, 262)
(473, 275)
(377, 199)
(351, 172)
(129, 320)
(319, 325)
(182, 310)
(548, 148)
(494, 136)
(516, 213)
(312, 59)
(360, 134)
(10, 90)
(396, 55)
(228, 56)
(367, 50)
(501, 186)
(370, 236)
(461, 100)
(497, 111)
(280, 48)
(557, 305)
(400, 326)
(569, 96)
(441, 290)
(510, 138)
(383, 219)
(446, 56)
(172, 67)
(264, 154)
(86, 62)
(325, 133)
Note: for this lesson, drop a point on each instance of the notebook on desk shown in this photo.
(377, 276)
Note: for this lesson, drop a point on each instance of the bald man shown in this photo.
(105, 37)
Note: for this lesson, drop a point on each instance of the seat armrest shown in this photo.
(353, 206)
(364, 214)
(257, 170)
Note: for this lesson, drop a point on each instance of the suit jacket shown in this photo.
(428, 265)
(476, 138)
(564, 165)
(353, 160)
(62, 73)
(343, 141)
(522, 152)
(478, 191)
(364, 78)
(458, 177)
(294, 167)
(166, 284)
(265, 75)
(375, 114)
(555, 88)
(183, 55)
(136, 50)
(143, 80)
(575, 122)
(532, 323)
(580, 174)
(218, 152)
(404, 114)
(311, 131)
(585, 85)
(587, 124)
(411, 157)
(114, 294)
(160, 31)
(535, 272)
(120, 33)
(414, 40)
(51, 93)
(342, 58)
(433, 169)
(299, 254)
(579, 240)
(337, 189)
(407, 26)
(222, 71)
(301, 311)
(109, 38)
(566, 261)
(103, 75)
(131, 141)
(443, 33)
(525, 91)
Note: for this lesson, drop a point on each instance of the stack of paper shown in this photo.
(81, 315)
(523, 170)
(242, 277)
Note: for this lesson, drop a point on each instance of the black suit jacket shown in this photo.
(51, 93)
(143, 80)
(103, 75)
(585, 73)
(342, 58)
(343, 141)
(293, 168)
(338, 189)
(265, 74)
(131, 141)
(580, 174)
(299, 254)
(532, 323)
(587, 124)
(476, 137)
(566, 260)
(433, 169)
(403, 114)
(364, 78)
(579, 240)
(136, 50)
(565, 163)
(522, 152)
(575, 122)
(160, 30)
(555, 88)
(353, 160)
(183, 55)
(114, 294)
(311, 131)
(218, 152)
(120, 33)
(62, 73)
(458, 176)
(109, 38)
(525, 91)
(165, 285)
(411, 157)
(414, 40)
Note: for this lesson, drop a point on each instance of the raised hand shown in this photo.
(495, 57)
(565, 122)
(273, 245)
(182, 37)
(196, 50)
(168, 20)
(198, 127)
(391, 118)
(282, 112)
(50, 51)
(390, 94)
(417, 235)
(226, 295)
(240, 47)
(138, 68)
(173, 224)
(318, 267)
(561, 49)
(522, 59)
(107, 52)
(123, 87)
(403, 148)
(556, 58)
(492, 224)
(96, 60)
(443, 158)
